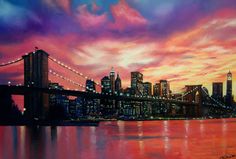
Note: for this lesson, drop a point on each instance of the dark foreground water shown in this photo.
(201, 139)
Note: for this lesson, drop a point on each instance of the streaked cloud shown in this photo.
(185, 42)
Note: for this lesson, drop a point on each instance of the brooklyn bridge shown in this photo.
(194, 102)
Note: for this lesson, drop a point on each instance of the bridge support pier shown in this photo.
(195, 95)
(36, 75)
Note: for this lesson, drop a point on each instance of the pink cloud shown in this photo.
(125, 16)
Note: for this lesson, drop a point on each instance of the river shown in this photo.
(174, 139)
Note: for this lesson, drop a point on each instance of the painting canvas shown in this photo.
(122, 79)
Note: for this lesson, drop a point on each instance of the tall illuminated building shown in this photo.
(156, 89)
(137, 82)
(112, 80)
(106, 84)
(107, 107)
(147, 88)
(229, 96)
(217, 91)
(229, 84)
(92, 105)
(118, 84)
(164, 88)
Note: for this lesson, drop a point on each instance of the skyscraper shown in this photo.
(217, 91)
(112, 80)
(147, 88)
(106, 84)
(164, 88)
(118, 84)
(137, 82)
(107, 107)
(36, 75)
(156, 89)
(229, 97)
(92, 105)
(229, 84)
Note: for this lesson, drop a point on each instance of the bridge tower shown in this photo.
(36, 75)
(194, 95)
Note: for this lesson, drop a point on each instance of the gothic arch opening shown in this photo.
(197, 97)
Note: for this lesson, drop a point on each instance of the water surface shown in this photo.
(176, 139)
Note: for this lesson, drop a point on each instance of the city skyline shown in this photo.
(45, 100)
(93, 86)
(186, 42)
(224, 83)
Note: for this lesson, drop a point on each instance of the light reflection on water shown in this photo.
(122, 139)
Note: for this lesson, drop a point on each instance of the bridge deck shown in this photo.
(22, 90)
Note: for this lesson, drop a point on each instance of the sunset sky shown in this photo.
(183, 41)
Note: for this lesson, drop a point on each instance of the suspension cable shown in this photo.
(69, 80)
(72, 70)
(11, 62)
(213, 99)
(186, 93)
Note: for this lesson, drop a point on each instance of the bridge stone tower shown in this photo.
(36, 75)
(194, 95)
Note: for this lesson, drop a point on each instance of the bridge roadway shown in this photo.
(22, 90)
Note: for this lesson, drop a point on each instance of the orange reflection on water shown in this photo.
(175, 139)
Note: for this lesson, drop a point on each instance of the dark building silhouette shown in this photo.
(156, 89)
(112, 80)
(229, 96)
(118, 84)
(146, 107)
(90, 86)
(135, 108)
(164, 88)
(128, 106)
(59, 104)
(56, 99)
(78, 110)
(137, 82)
(107, 106)
(36, 75)
(129, 91)
(106, 84)
(92, 105)
(147, 88)
(229, 84)
(217, 91)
